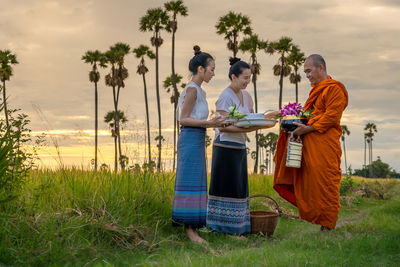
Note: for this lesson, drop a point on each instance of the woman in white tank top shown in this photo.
(190, 195)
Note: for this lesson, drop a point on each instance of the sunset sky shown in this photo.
(359, 39)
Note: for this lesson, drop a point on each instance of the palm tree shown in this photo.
(369, 139)
(295, 59)
(370, 129)
(111, 80)
(253, 44)
(282, 69)
(156, 20)
(170, 87)
(95, 58)
(365, 154)
(345, 131)
(111, 118)
(115, 79)
(176, 8)
(6, 71)
(141, 52)
(231, 25)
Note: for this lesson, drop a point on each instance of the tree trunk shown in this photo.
(255, 170)
(234, 44)
(273, 151)
(281, 82)
(115, 153)
(5, 103)
(96, 125)
(121, 161)
(345, 158)
(371, 174)
(270, 162)
(370, 149)
(147, 115)
(175, 91)
(297, 86)
(115, 130)
(365, 152)
(158, 107)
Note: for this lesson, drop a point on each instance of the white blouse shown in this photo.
(200, 108)
(228, 98)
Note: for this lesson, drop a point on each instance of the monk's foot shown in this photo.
(324, 228)
(194, 236)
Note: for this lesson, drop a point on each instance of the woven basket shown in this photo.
(264, 222)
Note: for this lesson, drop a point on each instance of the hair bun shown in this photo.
(196, 49)
(233, 60)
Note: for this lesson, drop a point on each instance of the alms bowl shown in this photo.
(287, 122)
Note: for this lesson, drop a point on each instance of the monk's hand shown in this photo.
(302, 129)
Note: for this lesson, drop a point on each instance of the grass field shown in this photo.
(77, 218)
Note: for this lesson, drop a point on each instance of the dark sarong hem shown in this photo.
(228, 203)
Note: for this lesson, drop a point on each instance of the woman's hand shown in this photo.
(218, 122)
(271, 115)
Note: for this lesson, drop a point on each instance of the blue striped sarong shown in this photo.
(228, 201)
(190, 196)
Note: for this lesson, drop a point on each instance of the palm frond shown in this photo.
(155, 19)
(233, 22)
(176, 7)
(7, 59)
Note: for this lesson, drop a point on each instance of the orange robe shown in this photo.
(314, 187)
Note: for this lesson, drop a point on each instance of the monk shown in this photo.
(314, 187)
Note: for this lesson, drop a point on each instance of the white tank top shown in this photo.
(200, 108)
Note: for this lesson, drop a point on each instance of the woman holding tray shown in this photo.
(190, 196)
(228, 202)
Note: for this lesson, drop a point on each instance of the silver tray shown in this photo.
(245, 123)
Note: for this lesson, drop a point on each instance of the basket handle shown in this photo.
(261, 195)
(292, 138)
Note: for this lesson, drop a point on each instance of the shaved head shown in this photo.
(317, 60)
(315, 69)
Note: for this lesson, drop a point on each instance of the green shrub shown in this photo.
(345, 185)
(15, 160)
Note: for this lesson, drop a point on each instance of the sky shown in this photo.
(359, 40)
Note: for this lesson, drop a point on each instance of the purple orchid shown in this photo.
(294, 109)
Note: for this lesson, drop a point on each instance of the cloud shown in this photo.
(359, 40)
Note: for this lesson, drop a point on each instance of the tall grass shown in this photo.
(68, 212)
(74, 217)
